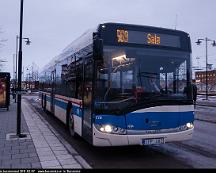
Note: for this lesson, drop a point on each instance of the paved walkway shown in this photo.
(207, 102)
(206, 110)
(51, 151)
(42, 148)
(14, 153)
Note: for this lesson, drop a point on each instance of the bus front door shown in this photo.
(87, 100)
(52, 103)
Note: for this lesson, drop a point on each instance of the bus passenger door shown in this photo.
(52, 103)
(87, 100)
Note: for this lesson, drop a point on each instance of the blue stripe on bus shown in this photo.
(60, 104)
(186, 117)
(76, 109)
(158, 120)
(145, 121)
(118, 121)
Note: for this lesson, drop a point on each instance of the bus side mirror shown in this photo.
(98, 49)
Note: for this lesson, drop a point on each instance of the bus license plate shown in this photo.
(153, 141)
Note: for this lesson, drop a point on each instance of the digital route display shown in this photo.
(147, 38)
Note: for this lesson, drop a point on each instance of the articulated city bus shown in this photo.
(122, 84)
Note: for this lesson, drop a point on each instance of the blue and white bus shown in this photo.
(99, 86)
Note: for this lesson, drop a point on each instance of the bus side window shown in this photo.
(88, 83)
(88, 94)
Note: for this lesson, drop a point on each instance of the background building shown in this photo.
(201, 81)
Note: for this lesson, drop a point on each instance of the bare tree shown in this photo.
(32, 76)
(2, 44)
(2, 40)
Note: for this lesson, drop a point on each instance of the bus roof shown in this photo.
(87, 39)
(81, 42)
(141, 27)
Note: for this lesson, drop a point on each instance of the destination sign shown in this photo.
(147, 38)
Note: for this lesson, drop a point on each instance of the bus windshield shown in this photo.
(129, 78)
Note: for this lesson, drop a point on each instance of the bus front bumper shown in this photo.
(105, 139)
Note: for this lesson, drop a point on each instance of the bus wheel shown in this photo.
(71, 126)
(44, 104)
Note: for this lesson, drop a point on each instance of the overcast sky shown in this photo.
(52, 24)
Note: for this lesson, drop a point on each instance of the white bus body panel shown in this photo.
(104, 139)
(78, 125)
(60, 113)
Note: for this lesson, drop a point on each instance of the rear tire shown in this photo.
(44, 104)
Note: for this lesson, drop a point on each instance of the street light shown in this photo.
(28, 42)
(199, 41)
(28, 78)
(19, 96)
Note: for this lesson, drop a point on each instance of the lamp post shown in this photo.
(28, 42)
(28, 78)
(199, 41)
(19, 89)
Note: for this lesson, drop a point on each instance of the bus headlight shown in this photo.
(107, 128)
(189, 125)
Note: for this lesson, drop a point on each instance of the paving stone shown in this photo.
(11, 143)
(58, 144)
(28, 151)
(11, 161)
(72, 166)
(26, 143)
(55, 167)
(57, 153)
(41, 145)
(13, 152)
(48, 153)
(61, 148)
(19, 147)
(5, 157)
(47, 149)
(23, 165)
(47, 158)
(66, 156)
(19, 156)
(6, 152)
(36, 165)
(31, 146)
(67, 161)
(48, 164)
(30, 160)
(7, 148)
(33, 154)
(6, 165)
